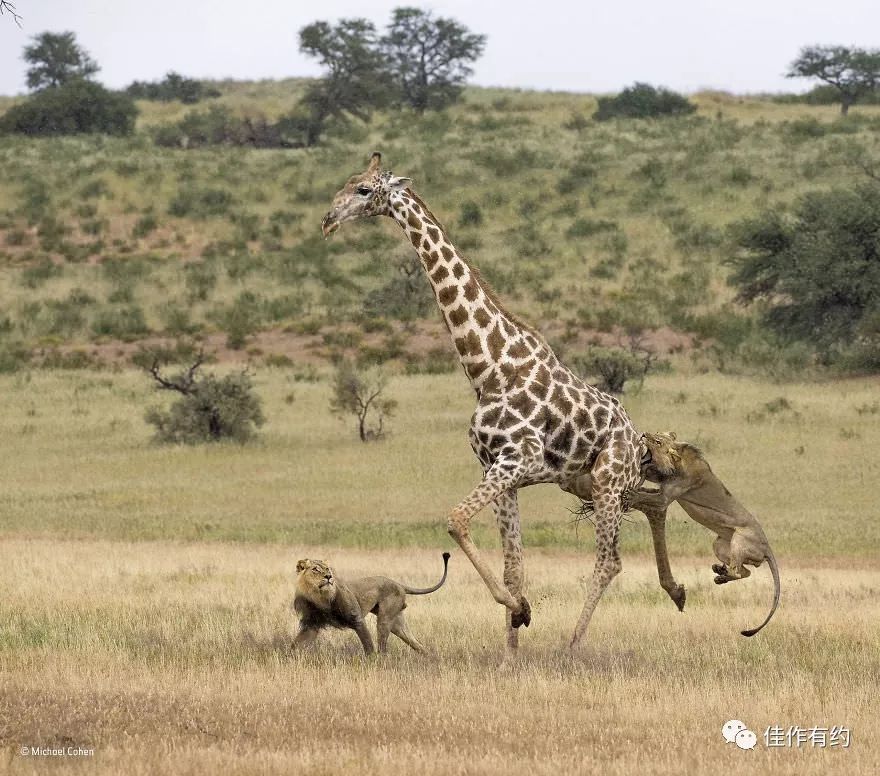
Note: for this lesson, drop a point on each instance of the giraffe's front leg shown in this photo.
(498, 479)
(507, 516)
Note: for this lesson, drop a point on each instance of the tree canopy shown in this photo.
(355, 81)
(56, 59)
(816, 273)
(429, 58)
(853, 72)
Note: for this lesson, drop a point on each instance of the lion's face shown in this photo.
(664, 455)
(316, 575)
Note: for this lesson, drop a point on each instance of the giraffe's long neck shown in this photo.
(491, 344)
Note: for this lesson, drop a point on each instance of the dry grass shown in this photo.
(171, 657)
(145, 592)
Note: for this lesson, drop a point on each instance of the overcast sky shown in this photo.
(588, 46)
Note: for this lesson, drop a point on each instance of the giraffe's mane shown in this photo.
(478, 276)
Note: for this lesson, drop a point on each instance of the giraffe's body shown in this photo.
(535, 421)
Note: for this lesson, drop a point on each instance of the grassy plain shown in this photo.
(145, 592)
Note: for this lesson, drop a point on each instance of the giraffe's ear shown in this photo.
(396, 183)
(375, 162)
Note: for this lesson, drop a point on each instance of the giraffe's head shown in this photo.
(363, 195)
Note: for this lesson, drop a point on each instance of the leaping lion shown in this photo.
(684, 475)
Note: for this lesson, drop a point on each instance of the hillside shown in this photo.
(108, 243)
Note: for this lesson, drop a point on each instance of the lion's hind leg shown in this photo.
(400, 629)
(730, 553)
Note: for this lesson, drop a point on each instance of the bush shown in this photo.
(615, 366)
(172, 87)
(643, 101)
(125, 323)
(210, 408)
(76, 107)
(359, 393)
(193, 202)
(405, 297)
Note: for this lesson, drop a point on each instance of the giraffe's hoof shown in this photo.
(523, 616)
(720, 579)
(719, 568)
(679, 594)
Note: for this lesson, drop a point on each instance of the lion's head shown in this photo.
(315, 580)
(665, 455)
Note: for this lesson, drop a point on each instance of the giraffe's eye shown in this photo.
(364, 191)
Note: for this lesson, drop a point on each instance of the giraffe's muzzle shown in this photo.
(329, 224)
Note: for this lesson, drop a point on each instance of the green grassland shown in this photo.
(79, 463)
(581, 226)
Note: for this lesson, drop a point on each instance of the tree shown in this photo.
(210, 409)
(818, 272)
(77, 106)
(429, 58)
(355, 82)
(853, 72)
(643, 101)
(360, 394)
(56, 59)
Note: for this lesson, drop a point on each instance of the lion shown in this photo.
(684, 475)
(323, 600)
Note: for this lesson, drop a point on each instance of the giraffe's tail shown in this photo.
(425, 591)
(774, 569)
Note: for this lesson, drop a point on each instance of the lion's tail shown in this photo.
(774, 569)
(415, 591)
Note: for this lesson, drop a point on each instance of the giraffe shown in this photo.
(535, 420)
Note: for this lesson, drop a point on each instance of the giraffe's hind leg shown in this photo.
(507, 516)
(608, 485)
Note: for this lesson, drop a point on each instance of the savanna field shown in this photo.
(145, 589)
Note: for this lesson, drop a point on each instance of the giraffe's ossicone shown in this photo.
(535, 421)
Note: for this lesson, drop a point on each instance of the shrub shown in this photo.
(124, 323)
(405, 297)
(76, 107)
(144, 225)
(642, 101)
(470, 214)
(37, 274)
(615, 366)
(172, 87)
(210, 408)
(359, 393)
(192, 202)
(586, 227)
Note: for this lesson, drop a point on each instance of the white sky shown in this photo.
(588, 46)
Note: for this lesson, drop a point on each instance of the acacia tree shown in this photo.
(355, 81)
(360, 394)
(429, 57)
(57, 59)
(854, 72)
(817, 274)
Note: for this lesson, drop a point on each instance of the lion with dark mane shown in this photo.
(322, 600)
